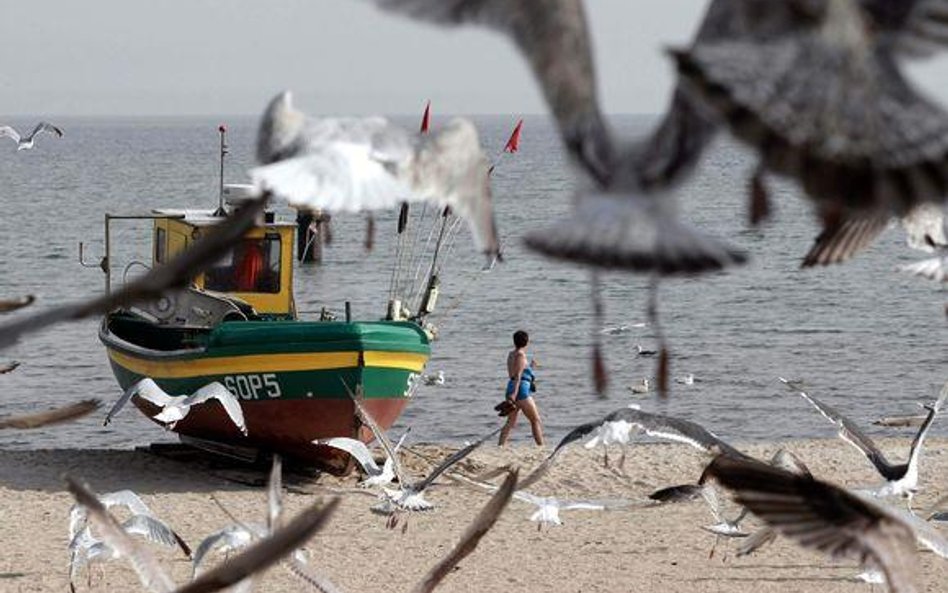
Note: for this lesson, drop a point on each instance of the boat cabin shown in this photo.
(258, 270)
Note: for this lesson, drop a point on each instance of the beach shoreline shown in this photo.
(635, 548)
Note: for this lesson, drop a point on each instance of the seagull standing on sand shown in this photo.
(901, 478)
(353, 165)
(175, 408)
(26, 142)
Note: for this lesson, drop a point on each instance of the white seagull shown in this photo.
(688, 379)
(654, 425)
(375, 476)
(175, 408)
(901, 478)
(641, 387)
(435, 379)
(85, 548)
(354, 165)
(26, 142)
(410, 494)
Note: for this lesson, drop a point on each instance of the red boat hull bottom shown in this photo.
(287, 427)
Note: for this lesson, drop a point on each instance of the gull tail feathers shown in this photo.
(935, 268)
(632, 233)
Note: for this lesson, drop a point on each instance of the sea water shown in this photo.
(865, 338)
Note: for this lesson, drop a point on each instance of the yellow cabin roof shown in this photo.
(258, 270)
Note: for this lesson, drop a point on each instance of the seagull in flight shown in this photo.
(658, 426)
(85, 548)
(26, 142)
(870, 163)
(901, 478)
(375, 476)
(175, 408)
(410, 494)
(618, 224)
(824, 517)
(354, 165)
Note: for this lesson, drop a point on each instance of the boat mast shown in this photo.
(222, 129)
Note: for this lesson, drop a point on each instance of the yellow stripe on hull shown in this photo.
(266, 363)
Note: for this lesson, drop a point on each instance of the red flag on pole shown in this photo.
(426, 118)
(513, 144)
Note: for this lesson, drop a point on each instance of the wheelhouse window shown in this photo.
(161, 245)
(252, 266)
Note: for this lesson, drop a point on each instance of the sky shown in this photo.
(227, 57)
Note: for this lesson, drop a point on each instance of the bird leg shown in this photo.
(600, 378)
(652, 313)
(605, 456)
(622, 460)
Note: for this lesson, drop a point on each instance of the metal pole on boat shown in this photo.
(348, 312)
(222, 129)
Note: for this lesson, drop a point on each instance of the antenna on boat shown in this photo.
(222, 129)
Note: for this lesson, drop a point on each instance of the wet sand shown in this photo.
(659, 549)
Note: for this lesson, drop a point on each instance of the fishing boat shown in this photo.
(237, 324)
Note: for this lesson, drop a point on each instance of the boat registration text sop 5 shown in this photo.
(253, 386)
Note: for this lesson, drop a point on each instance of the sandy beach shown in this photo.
(632, 549)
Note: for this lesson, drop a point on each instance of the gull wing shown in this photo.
(478, 528)
(45, 126)
(554, 39)
(9, 305)
(149, 391)
(176, 272)
(275, 494)
(377, 431)
(679, 493)
(126, 397)
(265, 552)
(8, 132)
(65, 413)
(452, 459)
(839, 242)
(156, 531)
(920, 27)
(675, 429)
(935, 268)
(925, 227)
(824, 517)
(127, 499)
(146, 566)
(787, 461)
(227, 399)
(357, 450)
(756, 541)
(340, 177)
(849, 432)
(232, 537)
(933, 409)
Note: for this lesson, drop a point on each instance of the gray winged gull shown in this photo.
(27, 142)
(901, 479)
